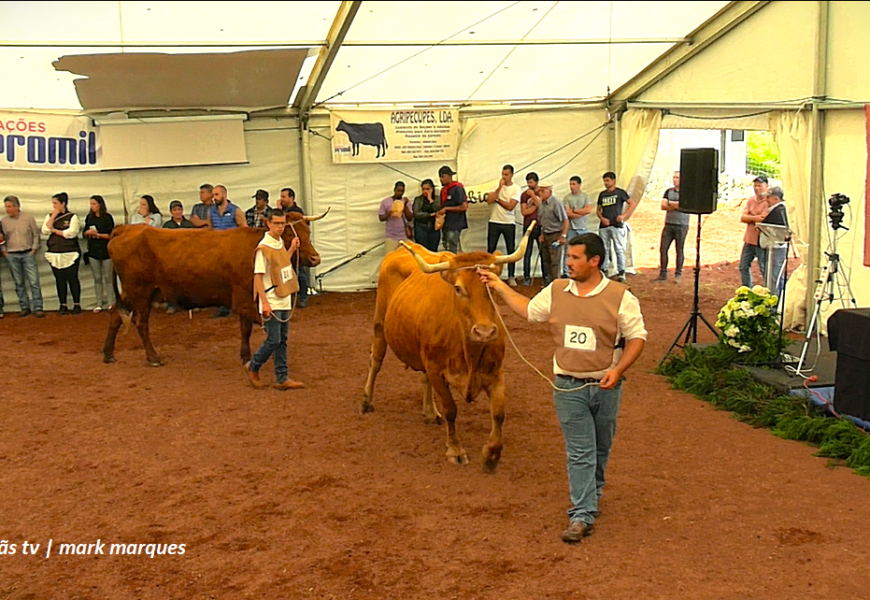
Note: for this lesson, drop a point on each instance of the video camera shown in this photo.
(837, 202)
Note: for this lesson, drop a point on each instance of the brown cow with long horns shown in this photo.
(191, 268)
(436, 315)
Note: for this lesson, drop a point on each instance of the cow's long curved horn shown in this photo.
(316, 218)
(520, 252)
(424, 266)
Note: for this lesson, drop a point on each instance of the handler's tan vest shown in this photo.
(585, 328)
(284, 281)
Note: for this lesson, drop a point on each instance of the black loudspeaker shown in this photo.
(849, 336)
(699, 180)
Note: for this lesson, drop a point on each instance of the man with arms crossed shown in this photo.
(675, 230)
(578, 205)
(502, 221)
(590, 318)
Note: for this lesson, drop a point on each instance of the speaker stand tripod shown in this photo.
(690, 329)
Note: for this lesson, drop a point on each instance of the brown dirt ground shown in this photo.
(296, 495)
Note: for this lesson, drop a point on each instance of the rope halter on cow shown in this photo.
(499, 260)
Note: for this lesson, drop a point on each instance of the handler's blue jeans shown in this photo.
(588, 419)
(26, 276)
(275, 345)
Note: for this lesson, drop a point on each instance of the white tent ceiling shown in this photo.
(393, 52)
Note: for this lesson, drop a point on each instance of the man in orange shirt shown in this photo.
(754, 212)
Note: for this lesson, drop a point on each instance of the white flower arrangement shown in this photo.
(748, 324)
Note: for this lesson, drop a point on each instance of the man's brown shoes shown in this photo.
(577, 530)
(288, 385)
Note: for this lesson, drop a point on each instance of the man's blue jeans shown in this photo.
(616, 236)
(451, 240)
(275, 345)
(748, 254)
(588, 420)
(26, 275)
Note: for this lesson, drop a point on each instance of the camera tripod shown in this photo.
(690, 329)
(830, 280)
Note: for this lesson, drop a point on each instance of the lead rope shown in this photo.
(520, 354)
(292, 304)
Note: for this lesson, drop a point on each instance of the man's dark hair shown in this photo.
(273, 212)
(609, 175)
(399, 183)
(593, 246)
(577, 179)
(509, 168)
(12, 200)
(62, 197)
(533, 176)
(207, 186)
(290, 192)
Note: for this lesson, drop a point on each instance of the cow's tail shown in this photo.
(120, 305)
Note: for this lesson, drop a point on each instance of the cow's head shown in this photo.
(472, 298)
(297, 226)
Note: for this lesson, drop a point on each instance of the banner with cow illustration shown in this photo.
(368, 136)
(48, 142)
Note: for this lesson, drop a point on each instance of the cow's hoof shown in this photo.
(489, 464)
(437, 420)
(155, 363)
(366, 407)
(458, 459)
(108, 359)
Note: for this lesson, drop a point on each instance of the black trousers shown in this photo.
(68, 278)
(509, 231)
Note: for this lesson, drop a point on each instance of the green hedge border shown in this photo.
(710, 373)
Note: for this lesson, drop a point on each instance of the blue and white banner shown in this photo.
(48, 142)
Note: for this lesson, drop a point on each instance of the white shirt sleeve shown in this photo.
(540, 306)
(259, 263)
(74, 228)
(631, 324)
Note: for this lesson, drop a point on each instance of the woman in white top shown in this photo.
(63, 254)
(148, 213)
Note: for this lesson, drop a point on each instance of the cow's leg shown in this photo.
(115, 322)
(492, 448)
(144, 319)
(430, 411)
(455, 452)
(379, 350)
(246, 326)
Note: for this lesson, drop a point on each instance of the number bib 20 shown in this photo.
(580, 338)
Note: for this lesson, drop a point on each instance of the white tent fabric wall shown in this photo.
(272, 146)
(353, 192)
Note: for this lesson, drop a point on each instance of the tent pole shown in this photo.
(817, 158)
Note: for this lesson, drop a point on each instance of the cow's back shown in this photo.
(397, 266)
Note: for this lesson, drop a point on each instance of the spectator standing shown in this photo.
(454, 205)
(753, 213)
(63, 253)
(256, 215)
(554, 231)
(529, 202)
(98, 229)
(613, 215)
(675, 231)
(148, 213)
(224, 215)
(287, 203)
(396, 214)
(176, 217)
(578, 205)
(502, 218)
(199, 214)
(20, 235)
(424, 208)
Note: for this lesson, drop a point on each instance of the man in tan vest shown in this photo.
(591, 319)
(274, 284)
